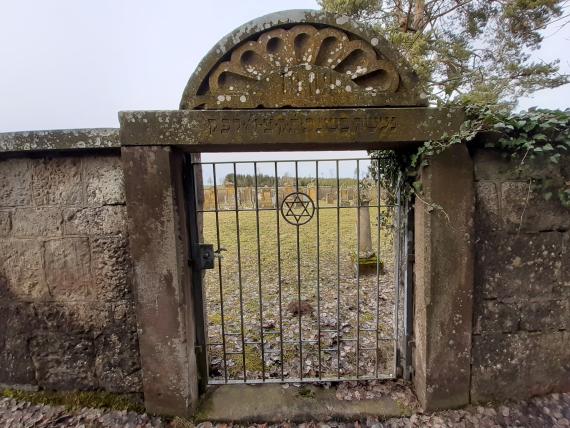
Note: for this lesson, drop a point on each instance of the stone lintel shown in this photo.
(444, 269)
(62, 139)
(289, 129)
(158, 244)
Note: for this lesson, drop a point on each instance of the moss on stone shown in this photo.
(77, 399)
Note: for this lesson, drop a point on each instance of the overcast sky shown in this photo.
(76, 63)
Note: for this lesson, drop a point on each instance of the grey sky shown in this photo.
(76, 63)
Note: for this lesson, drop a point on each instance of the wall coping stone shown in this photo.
(59, 139)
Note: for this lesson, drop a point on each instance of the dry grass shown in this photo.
(73, 400)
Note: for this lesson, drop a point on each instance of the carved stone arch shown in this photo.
(302, 59)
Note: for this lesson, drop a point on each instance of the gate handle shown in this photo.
(218, 252)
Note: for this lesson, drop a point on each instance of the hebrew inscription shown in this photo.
(301, 124)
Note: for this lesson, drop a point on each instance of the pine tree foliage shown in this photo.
(470, 51)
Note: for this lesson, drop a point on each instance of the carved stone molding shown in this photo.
(305, 64)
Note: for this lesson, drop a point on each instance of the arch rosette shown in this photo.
(302, 59)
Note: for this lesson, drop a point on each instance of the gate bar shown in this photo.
(278, 239)
(239, 275)
(220, 272)
(259, 272)
(338, 269)
(357, 268)
(299, 281)
(318, 270)
(378, 221)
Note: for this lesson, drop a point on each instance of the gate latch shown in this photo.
(204, 256)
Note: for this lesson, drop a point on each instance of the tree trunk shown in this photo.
(419, 15)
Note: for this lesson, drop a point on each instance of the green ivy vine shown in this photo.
(524, 136)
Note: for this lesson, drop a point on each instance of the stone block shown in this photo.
(16, 366)
(495, 165)
(64, 361)
(117, 361)
(37, 222)
(110, 266)
(72, 317)
(105, 220)
(518, 266)
(67, 267)
(77, 221)
(86, 346)
(5, 223)
(525, 209)
(487, 208)
(109, 220)
(519, 366)
(57, 181)
(496, 317)
(15, 183)
(21, 273)
(546, 315)
(104, 180)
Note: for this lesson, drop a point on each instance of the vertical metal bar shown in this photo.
(397, 275)
(338, 269)
(318, 270)
(378, 240)
(357, 268)
(279, 269)
(220, 272)
(239, 274)
(409, 289)
(299, 282)
(259, 273)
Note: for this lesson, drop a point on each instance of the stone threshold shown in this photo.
(273, 403)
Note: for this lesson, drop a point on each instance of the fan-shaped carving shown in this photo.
(300, 67)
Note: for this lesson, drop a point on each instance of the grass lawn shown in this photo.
(328, 283)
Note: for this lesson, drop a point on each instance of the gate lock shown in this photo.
(205, 256)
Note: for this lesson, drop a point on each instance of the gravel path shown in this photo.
(548, 411)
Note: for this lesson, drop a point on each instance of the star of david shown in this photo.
(298, 206)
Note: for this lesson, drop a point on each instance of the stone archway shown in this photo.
(299, 79)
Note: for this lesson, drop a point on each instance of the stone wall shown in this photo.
(521, 340)
(66, 306)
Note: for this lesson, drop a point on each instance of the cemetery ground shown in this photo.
(548, 411)
(267, 302)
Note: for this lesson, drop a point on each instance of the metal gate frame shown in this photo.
(202, 256)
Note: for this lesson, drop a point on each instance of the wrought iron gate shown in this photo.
(302, 267)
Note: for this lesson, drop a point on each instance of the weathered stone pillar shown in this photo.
(444, 251)
(159, 249)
